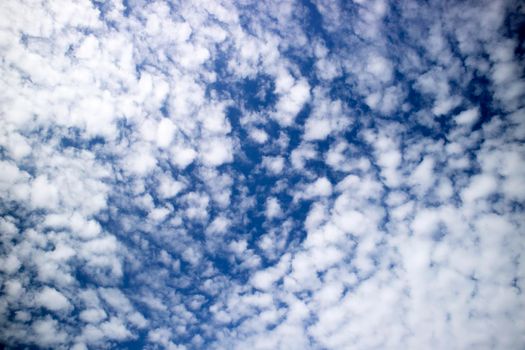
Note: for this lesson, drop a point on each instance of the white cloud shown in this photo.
(266, 278)
(137, 320)
(214, 120)
(322, 187)
(317, 129)
(273, 208)
(93, 315)
(467, 117)
(413, 221)
(115, 329)
(140, 162)
(219, 225)
(216, 151)
(52, 299)
(44, 194)
(160, 335)
(380, 67)
(165, 132)
(169, 187)
(197, 205)
(388, 157)
(85, 229)
(423, 175)
(327, 117)
(116, 299)
(328, 69)
(260, 136)
(48, 333)
(183, 156)
(302, 153)
(10, 264)
(295, 95)
(481, 186)
(275, 165)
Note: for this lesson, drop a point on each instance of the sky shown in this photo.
(310, 174)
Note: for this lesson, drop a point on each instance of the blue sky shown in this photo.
(262, 175)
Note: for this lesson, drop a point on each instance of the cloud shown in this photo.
(273, 175)
(114, 329)
(165, 132)
(467, 117)
(294, 95)
(326, 118)
(273, 208)
(52, 299)
(43, 193)
(423, 175)
(275, 165)
(48, 333)
(380, 67)
(265, 279)
(480, 187)
(321, 187)
(260, 136)
(217, 151)
(182, 157)
(93, 315)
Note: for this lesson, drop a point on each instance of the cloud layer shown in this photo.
(268, 175)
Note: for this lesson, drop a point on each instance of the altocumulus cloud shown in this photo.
(262, 175)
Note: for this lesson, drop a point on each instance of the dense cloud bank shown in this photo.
(262, 175)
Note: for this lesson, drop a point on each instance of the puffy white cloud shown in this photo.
(52, 299)
(116, 299)
(10, 264)
(388, 157)
(183, 156)
(137, 320)
(264, 279)
(48, 333)
(260, 136)
(44, 194)
(169, 187)
(219, 225)
(216, 151)
(317, 129)
(321, 187)
(294, 96)
(481, 186)
(275, 165)
(273, 208)
(467, 117)
(165, 132)
(328, 116)
(197, 205)
(302, 153)
(118, 121)
(380, 67)
(114, 329)
(140, 162)
(93, 315)
(423, 175)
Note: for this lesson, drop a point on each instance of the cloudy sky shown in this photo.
(262, 174)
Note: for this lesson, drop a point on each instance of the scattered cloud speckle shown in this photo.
(262, 175)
